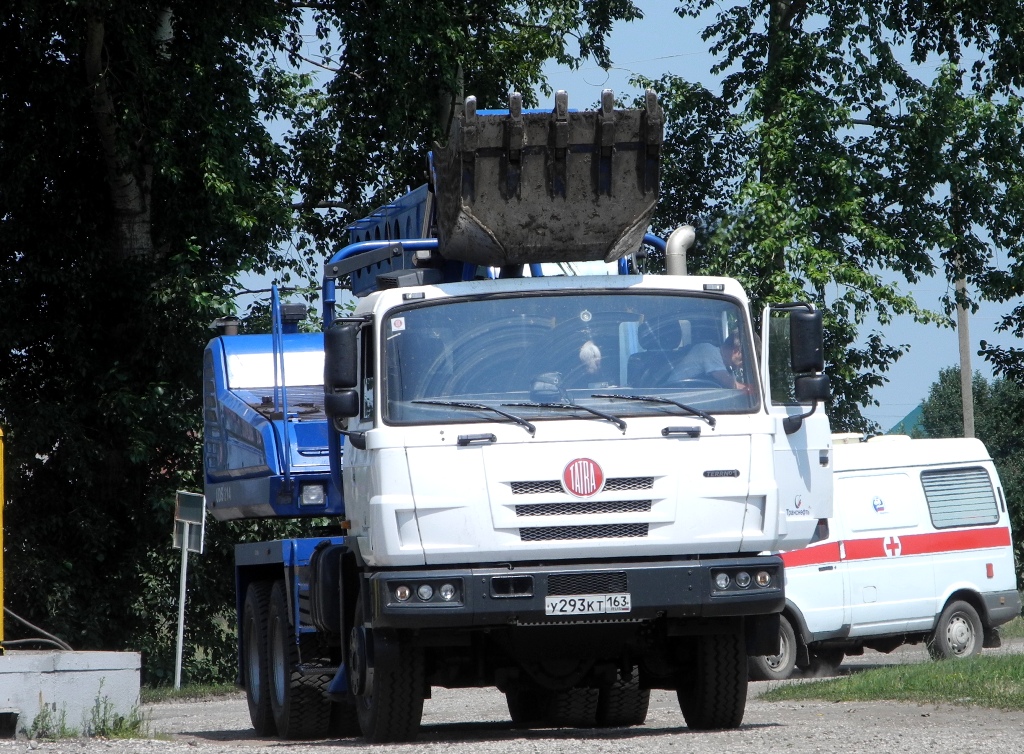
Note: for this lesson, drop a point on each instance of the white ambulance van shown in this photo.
(918, 550)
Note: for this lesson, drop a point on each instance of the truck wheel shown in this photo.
(776, 667)
(715, 696)
(572, 708)
(525, 706)
(300, 709)
(957, 634)
(255, 664)
(388, 676)
(344, 720)
(623, 703)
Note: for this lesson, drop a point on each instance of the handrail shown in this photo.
(280, 404)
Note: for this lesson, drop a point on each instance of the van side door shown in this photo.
(892, 587)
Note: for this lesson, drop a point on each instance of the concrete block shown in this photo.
(66, 683)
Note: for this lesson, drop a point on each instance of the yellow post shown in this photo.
(2, 499)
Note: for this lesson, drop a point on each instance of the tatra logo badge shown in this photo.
(582, 478)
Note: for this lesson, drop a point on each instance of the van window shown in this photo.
(960, 497)
(878, 501)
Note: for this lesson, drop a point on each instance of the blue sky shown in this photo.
(664, 43)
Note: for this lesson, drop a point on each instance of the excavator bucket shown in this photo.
(519, 187)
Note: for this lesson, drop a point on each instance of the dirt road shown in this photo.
(476, 721)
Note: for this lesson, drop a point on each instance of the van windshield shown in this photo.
(570, 348)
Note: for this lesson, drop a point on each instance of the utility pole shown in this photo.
(963, 334)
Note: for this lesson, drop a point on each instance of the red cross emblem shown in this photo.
(892, 547)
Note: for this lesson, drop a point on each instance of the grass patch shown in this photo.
(1013, 630)
(994, 681)
(193, 692)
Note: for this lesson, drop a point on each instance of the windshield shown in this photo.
(601, 351)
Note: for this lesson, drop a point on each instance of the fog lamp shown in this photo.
(722, 580)
(742, 579)
(425, 592)
(402, 593)
(763, 578)
(447, 592)
(313, 495)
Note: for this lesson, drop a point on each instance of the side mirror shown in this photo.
(811, 387)
(342, 404)
(341, 348)
(806, 341)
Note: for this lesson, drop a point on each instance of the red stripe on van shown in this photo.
(827, 552)
(946, 541)
(909, 544)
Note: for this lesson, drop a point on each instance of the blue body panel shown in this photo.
(256, 462)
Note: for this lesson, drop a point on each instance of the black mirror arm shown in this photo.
(793, 423)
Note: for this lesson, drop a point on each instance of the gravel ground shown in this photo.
(475, 721)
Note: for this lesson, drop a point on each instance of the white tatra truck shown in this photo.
(561, 485)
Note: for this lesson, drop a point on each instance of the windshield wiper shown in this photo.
(657, 399)
(564, 406)
(484, 407)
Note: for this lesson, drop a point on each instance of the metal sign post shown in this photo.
(189, 535)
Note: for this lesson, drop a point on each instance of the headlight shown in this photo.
(447, 591)
(763, 578)
(425, 592)
(403, 593)
(722, 580)
(742, 579)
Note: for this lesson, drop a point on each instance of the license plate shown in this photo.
(587, 604)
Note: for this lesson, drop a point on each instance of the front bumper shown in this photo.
(515, 595)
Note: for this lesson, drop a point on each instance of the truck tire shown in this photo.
(572, 708)
(300, 709)
(344, 721)
(525, 706)
(776, 667)
(255, 662)
(390, 705)
(957, 634)
(715, 696)
(623, 703)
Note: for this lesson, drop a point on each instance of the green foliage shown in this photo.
(50, 723)
(998, 422)
(833, 166)
(995, 681)
(104, 722)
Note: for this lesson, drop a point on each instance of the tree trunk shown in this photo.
(129, 191)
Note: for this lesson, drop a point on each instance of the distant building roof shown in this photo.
(909, 424)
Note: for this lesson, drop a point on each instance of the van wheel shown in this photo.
(255, 662)
(776, 667)
(957, 634)
(715, 696)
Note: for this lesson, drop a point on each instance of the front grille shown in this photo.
(619, 484)
(589, 507)
(609, 531)
(604, 582)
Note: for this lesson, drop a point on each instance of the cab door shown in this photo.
(802, 439)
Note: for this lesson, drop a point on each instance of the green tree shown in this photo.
(999, 423)
(141, 177)
(834, 165)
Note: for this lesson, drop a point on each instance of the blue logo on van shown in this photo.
(877, 504)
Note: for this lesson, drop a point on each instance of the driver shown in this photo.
(706, 361)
